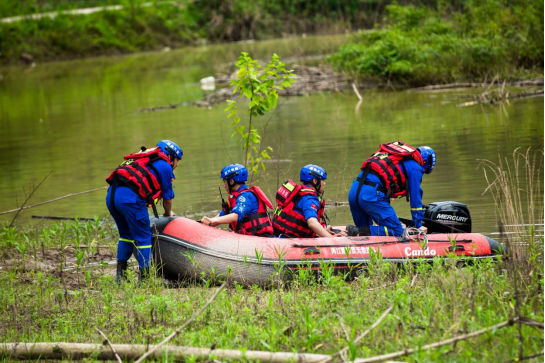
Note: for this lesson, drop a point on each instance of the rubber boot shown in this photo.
(358, 231)
(121, 268)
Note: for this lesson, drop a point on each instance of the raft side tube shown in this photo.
(496, 247)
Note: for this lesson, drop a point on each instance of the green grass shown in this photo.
(58, 287)
(107, 32)
(49, 305)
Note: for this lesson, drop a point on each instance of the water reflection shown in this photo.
(76, 120)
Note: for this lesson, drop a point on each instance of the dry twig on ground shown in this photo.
(177, 331)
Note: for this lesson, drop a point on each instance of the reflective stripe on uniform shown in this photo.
(416, 208)
(141, 247)
(403, 146)
(126, 240)
(386, 231)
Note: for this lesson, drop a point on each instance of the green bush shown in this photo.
(418, 45)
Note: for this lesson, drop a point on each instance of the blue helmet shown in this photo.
(170, 148)
(428, 155)
(310, 171)
(237, 172)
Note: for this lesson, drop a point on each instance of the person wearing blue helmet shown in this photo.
(246, 209)
(138, 183)
(300, 209)
(395, 170)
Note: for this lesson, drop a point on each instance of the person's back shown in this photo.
(143, 179)
(395, 170)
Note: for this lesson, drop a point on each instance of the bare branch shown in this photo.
(52, 200)
(177, 331)
(110, 344)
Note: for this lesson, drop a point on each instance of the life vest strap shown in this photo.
(379, 187)
(292, 231)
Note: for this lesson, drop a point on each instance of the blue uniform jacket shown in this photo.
(247, 204)
(414, 180)
(308, 205)
(165, 177)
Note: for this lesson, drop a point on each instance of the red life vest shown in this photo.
(134, 173)
(257, 224)
(387, 164)
(286, 220)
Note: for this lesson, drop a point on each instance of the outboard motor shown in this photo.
(451, 214)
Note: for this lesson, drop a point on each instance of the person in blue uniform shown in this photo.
(130, 209)
(301, 215)
(372, 203)
(246, 210)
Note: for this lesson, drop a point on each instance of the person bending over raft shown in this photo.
(395, 170)
(299, 208)
(138, 183)
(246, 210)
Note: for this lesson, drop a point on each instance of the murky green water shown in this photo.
(76, 120)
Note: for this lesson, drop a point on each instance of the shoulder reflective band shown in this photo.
(289, 187)
(403, 146)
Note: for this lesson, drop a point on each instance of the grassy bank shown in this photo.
(57, 285)
(152, 25)
(49, 303)
(451, 41)
(133, 28)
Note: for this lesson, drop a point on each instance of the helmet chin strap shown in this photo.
(230, 185)
(316, 185)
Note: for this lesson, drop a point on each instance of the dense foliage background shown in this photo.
(412, 42)
(453, 40)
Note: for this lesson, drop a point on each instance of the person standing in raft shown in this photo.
(246, 209)
(139, 183)
(394, 171)
(299, 209)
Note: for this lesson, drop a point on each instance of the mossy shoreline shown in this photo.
(413, 45)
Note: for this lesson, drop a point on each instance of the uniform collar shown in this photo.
(243, 186)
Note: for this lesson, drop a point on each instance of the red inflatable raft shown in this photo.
(185, 248)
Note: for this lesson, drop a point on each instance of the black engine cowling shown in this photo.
(450, 214)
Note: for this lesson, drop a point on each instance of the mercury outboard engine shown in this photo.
(453, 215)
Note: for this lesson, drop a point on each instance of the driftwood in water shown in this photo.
(533, 82)
(52, 200)
(496, 96)
(309, 79)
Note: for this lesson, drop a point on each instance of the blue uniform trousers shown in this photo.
(371, 205)
(132, 219)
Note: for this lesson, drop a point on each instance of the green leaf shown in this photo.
(248, 93)
(273, 98)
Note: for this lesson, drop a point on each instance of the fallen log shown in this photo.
(78, 351)
(487, 98)
(533, 82)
